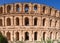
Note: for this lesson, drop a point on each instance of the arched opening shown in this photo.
(50, 10)
(51, 35)
(35, 7)
(56, 35)
(8, 36)
(1, 9)
(17, 8)
(44, 35)
(8, 21)
(0, 33)
(8, 9)
(26, 8)
(26, 36)
(50, 22)
(43, 9)
(17, 21)
(0, 22)
(43, 22)
(35, 21)
(35, 35)
(26, 21)
(55, 23)
(17, 36)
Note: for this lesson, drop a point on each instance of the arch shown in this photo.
(17, 21)
(50, 35)
(8, 8)
(35, 21)
(35, 7)
(26, 36)
(1, 9)
(8, 21)
(56, 35)
(0, 22)
(35, 35)
(0, 33)
(8, 36)
(50, 23)
(17, 36)
(55, 23)
(43, 9)
(17, 8)
(44, 22)
(26, 21)
(26, 8)
(44, 33)
(50, 10)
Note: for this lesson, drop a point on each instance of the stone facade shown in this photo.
(29, 21)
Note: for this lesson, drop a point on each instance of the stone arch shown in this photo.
(1, 22)
(35, 21)
(26, 8)
(8, 35)
(44, 35)
(44, 21)
(17, 21)
(35, 7)
(50, 35)
(0, 33)
(26, 21)
(43, 9)
(50, 10)
(35, 35)
(17, 8)
(8, 8)
(1, 9)
(56, 35)
(50, 23)
(17, 36)
(8, 21)
(26, 36)
(55, 23)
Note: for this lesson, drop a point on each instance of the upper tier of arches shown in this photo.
(29, 8)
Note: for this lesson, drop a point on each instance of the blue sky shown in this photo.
(52, 3)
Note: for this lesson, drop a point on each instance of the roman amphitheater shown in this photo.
(29, 22)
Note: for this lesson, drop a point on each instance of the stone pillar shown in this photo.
(39, 36)
(47, 22)
(39, 21)
(12, 35)
(31, 21)
(20, 38)
(21, 20)
(53, 23)
(11, 21)
(53, 12)
(30, 35)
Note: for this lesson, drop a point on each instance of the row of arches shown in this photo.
(26, 8)
(26, 21)
(26, 35)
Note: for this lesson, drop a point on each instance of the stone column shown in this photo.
(31, 21)
(12, 35)
(53, 23)
(11, 21)
(30, 35)
(21, 20)
(47, 22)
(20, 38)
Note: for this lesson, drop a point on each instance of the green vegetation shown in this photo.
(3, 39)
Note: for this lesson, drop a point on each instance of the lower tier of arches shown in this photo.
(30, 35)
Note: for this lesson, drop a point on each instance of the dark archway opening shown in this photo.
(26, 36)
